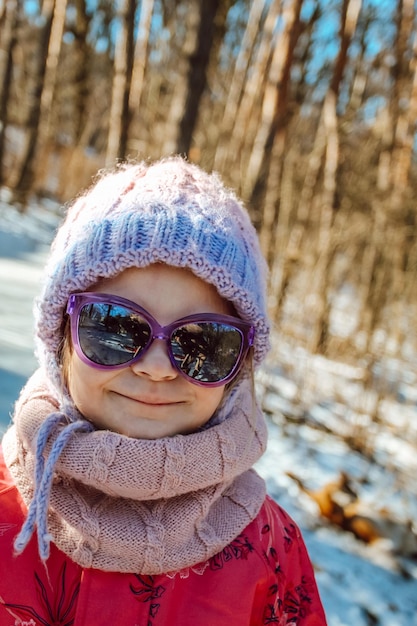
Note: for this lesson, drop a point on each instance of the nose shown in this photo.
(155, 364)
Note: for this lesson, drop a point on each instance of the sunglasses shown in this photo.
(109, 332)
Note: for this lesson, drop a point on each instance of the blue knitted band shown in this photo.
(171, 212)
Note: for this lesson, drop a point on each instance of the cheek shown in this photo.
(76, 382)
(84, 384)
(208, 402)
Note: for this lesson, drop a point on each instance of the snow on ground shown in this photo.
(360, 584)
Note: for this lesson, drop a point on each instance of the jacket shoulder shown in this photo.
(6, 481)
(12, 511)
(292, 593)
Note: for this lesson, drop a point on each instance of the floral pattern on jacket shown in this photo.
(263, 577)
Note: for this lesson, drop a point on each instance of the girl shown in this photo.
(127, 494)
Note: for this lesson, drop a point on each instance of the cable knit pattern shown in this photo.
(102, 458)
(130, 505)
(174, 466)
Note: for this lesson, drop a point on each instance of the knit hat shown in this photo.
(170, 211)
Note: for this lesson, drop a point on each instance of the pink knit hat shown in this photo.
(170, 211)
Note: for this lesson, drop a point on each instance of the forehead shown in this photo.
(167, 292)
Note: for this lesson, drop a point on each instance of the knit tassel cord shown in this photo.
(38, 508)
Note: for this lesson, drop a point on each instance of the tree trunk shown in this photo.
(8, 24)
(81, 62)
(54, 51)
(404, 119)
(140, 59)
(318, 341)
(123, 64)
(198, 61)
(320, 335)
(25, 177)
(179, 96)
(274, 104)
(237, 85)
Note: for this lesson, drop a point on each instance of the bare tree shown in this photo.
(191, 16)
(349, 19)
(8, 40)
(81, 65)
(274, 102)
(198, 61)
(204, 26)
(140, 60)
(239, 78)
(26, 174)
(383, 275)
(51, 70)
(244, 125)
(123, 64)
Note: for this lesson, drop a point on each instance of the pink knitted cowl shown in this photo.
(144, 506)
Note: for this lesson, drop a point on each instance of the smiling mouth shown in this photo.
(151, 401)
(156, 403)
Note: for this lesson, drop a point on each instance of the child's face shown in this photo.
(149, 399)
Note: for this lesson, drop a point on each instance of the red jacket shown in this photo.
(263, 577)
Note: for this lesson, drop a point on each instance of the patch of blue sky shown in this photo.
(158, 31)
(237, 11)
(31, 7)
(372, 106)
(237, 15)
(325, 39)
(379, 35)
(382, 29)
(388, 5)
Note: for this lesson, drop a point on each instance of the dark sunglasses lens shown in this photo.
(206, 351)
(110, 334)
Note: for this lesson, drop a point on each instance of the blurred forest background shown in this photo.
(307, 108)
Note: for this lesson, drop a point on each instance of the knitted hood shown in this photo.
(171, 212)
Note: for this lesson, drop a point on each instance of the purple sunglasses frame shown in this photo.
(77, 300)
